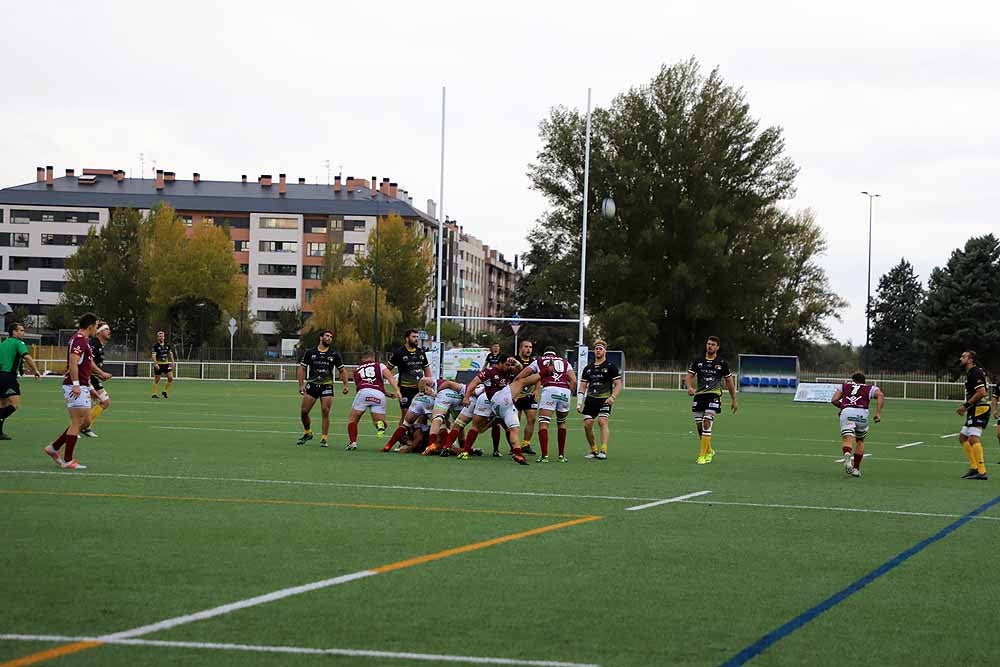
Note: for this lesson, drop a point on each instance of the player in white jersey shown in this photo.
(420, 408)
(447, 403)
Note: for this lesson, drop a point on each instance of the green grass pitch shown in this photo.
(204, 500)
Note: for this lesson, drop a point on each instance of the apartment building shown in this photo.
(500, 280)
(280, 230)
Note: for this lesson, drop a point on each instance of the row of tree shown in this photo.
(915, 328)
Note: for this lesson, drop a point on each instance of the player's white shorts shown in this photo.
(422, 405)
(854, 421)
(555, 398)
(100, 395)
(81, 401)
(502, 404)
(974, 431)
(448, 400)
(484, 407)
(369, 399)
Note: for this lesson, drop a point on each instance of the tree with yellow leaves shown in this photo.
(347, 309)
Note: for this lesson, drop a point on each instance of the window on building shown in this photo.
(278, 246)
(316, 249)
(63, 239)
(354, 225)
(336, 224)
(241, 246)
(354, 248)
(277, 270)
(309, 294)
(5, 240)
(14, 286)
(1, 215)
(312, 273)
(276, 292)
(316, 226)
(19, 241)
(267, 315)
(279, 223)
(186, 220)
(245, 269)
(232, 222)
(25, 216)
(53, 285)
(208, 220)
(25, 263)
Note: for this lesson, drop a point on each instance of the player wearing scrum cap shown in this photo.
(99, 398)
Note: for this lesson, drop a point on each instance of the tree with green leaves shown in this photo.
(699, 242)
(348, 309)
(334, 267)
(960, 312)
(400, 262)
(626, 326)
(289, 322)
(106, 274)
(894, 312)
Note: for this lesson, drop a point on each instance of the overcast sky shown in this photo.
(890, 97)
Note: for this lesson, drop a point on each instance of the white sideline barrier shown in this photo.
(815, 392)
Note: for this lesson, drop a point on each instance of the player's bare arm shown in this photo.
(835, 401)
(689, 381)
(74, 373)
(391, 379)
(616, 388)
(471, 387)
(343, 380)
(301, 376)
(731, 386)
(976, 397)
(98, 371)
(581, 395)
(879, 403)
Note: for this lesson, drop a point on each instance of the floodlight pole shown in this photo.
(871, 197)
(583, 233)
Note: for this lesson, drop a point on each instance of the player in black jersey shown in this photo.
(710, 371)
(977, 415)
(315, 376)
(163, 363)
(494, 357)
(601, 382)
(527, 402)
(412, 363)
(100, 401)
(996, 411)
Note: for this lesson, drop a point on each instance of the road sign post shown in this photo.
(232, 333)
(515, 326)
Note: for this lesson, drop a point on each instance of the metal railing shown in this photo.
(918, 389)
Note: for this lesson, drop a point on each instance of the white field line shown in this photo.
(861, 510)
(240, 604)
(910, 444)
(841, 459)
(950, 435)
(299, 650)
(487, 492)
(675, 499)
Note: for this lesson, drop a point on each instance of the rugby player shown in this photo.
(369, 381)
(315, 375)
(527, 400)
(996, 412)
(710, 370)
(13, 354)
(163, 363)
(555, 398)
(413, 365)
(99, 397)
(852, 401)
(600, 384)
(76, 391)
(492, 359)
(977, 415)
(501, 386)
(447, 402)
(420, 410)
(464, 418)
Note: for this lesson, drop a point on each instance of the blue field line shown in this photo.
(765, 642)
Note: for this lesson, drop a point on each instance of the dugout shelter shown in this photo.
(768, 373)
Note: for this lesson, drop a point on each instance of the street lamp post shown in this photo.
(871, 197)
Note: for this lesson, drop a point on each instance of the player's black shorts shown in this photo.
(163, 369)
(594, 407)
(706, 402)
(318, 390)
(406, 395)
(526, 403)
(978, 416)
(96, 383)
(9, 385)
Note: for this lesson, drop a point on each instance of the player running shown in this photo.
(853, 400)
(977, 415)
(315, 375)
(369, 381)
(413, 365)
(556, 391)
(76, 391)
(13, 354)
(99, 397)
(600, 384)
(710, 370)
(163, 363)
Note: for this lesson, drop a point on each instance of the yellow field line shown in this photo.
(49, 654)
(296, 503)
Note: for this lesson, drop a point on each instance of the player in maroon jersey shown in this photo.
(853, 400)
(369, 380)
(557, 390)
(76, 390)
(493, 379)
